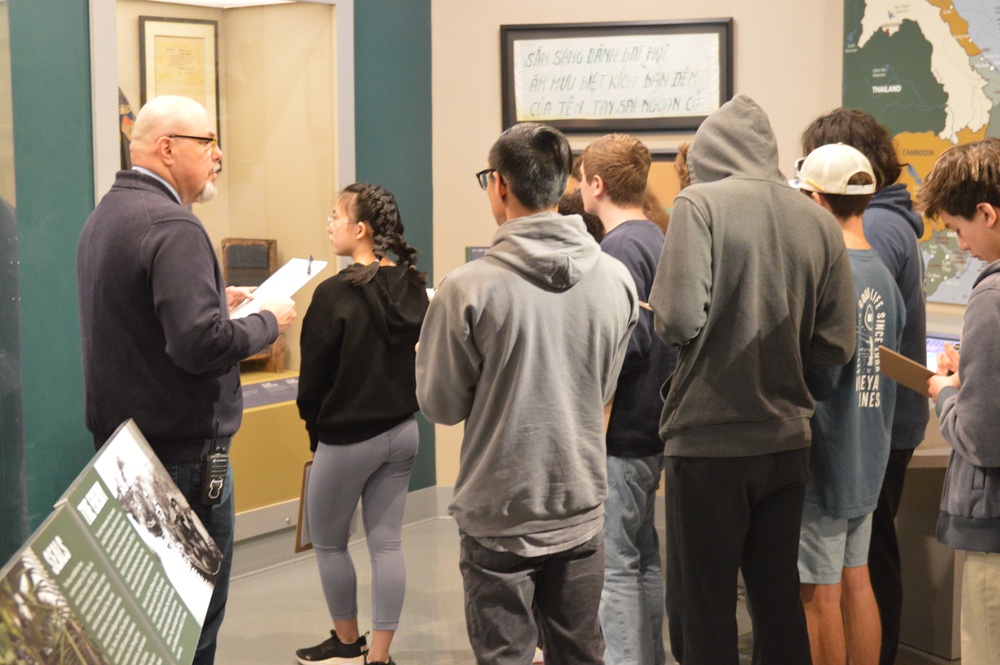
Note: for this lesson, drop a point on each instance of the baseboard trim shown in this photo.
(265, 537)
(261, 521)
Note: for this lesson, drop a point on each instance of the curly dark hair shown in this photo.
(963, 177)
(859, 130)
(376, 205)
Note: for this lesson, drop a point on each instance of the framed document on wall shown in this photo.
(602, 77)
(180, 57)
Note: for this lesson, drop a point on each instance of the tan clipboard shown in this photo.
(303, 541)
(904, 371)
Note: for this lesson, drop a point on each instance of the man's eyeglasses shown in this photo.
(210, 142)
(484, 177)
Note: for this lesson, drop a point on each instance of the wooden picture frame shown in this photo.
(604, 77)
(180, 56)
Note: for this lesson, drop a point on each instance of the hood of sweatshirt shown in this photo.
(553, 250)
(397, 302)
(735, 140)
(991, 269)
(897, 198)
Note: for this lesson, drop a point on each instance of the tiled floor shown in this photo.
(277, 610)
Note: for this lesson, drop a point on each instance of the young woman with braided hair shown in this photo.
(357, 397)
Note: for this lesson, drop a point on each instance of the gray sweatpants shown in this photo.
(378, 472)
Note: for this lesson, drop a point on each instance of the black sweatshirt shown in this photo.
(357, 375)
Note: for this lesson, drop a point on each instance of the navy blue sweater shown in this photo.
(892, 229)
(635, 417)
(158, 344)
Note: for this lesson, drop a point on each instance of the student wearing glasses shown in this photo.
(357, 397)
(525, 345)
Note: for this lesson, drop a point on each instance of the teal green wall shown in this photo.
(50, 71)
(392, 105)
(13, 490)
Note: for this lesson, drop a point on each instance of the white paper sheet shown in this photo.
(285, 281)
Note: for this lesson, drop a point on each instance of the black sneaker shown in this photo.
(334, 652)
(379, 662)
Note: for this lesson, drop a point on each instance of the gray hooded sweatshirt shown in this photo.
(525, 345)
(755, 285)
(970, 420)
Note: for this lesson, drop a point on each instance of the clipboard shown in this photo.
(904, 371)
(303, 541)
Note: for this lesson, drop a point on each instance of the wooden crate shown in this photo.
(248, 262)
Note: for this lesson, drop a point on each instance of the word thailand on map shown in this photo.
(927, 70)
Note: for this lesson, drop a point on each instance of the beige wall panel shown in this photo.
(245, 159)
(787, 56)
(6, 114)
(282, 149)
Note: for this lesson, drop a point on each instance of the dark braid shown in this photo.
(376, 205)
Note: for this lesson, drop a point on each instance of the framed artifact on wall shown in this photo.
(601, 77)
(180, 57)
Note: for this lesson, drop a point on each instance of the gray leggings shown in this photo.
(378, 472)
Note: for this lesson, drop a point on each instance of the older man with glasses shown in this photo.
(158, 344)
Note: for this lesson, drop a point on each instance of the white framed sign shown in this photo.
(647, 76)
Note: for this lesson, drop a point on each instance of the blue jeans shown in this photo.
(510, 599)
(632, 599)
(219, 521)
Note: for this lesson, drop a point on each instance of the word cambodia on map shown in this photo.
(927, 70)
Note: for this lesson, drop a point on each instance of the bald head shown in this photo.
(172, 137)
(163, 116)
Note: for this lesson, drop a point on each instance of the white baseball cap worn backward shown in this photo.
(829, 168)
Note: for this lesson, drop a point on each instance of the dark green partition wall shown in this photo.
(392, 88)
(13, 491)
(50, 71)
